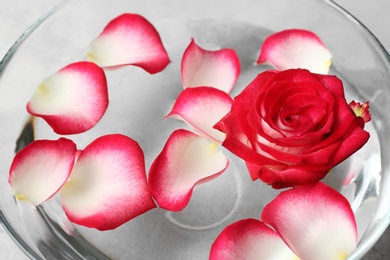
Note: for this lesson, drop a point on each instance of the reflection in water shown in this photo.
(27, 135)
(51, 239)
(359, 178)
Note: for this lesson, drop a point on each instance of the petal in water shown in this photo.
(108, 184)
(202, 108)
(218, 69)
(250, 239)
(315, 221)
(40, 169)
(185, 161)
(72, 100)
(296, 48)
(129, 39)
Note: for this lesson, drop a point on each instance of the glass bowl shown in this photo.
(139, 102)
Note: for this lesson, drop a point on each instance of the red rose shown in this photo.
(291, 127)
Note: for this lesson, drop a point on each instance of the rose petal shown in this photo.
(283, 177)
(202, 108)
(108, 184)
(315, 221)
(361, 110)
(296, 48)
(218, 69)
(235, 124)
(129, 39)
(250, 239)
(40, 169)
(72, 100)
(186, 160)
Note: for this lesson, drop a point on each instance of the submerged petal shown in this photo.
(296, 48)
(186, 160)
(250, 239)
(202, 108)
(218, 69)
(108, 184)
(72, 100)
(315, 221)
(40, 169)
(129, 39)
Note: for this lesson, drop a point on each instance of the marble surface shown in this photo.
(17, 16)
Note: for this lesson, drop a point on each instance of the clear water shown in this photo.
(138, 104)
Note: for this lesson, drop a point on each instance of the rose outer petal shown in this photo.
(40, 169)
(72, 100)
(250, 239)
(316, 222)
(185, 161)
(107, 186)
(219, 69)
(202, 108)
(129, 39)
(296, 48)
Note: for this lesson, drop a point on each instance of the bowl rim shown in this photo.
(377, 232)
(362, 248)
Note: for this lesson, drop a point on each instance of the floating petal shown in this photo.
(202, 108)
(72, 100)
(250, 239)
(40, 169)
(218, 69)
(315, 221)
(296, 48)
(186, 160)
(129, 39)
(108, 184)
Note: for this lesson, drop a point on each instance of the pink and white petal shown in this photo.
(219, 69)
(107, 186)
(40, 169)
(296, 48)
(315, 221)
(250, 239)
(72, 100)
(202, 108)
(129, 39)
(185, 161)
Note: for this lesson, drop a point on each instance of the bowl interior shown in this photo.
(139, 102)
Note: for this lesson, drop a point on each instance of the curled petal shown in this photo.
(129, 39)
(186, 160)
(108, 184)
(296, 48)
(218, 69)
(72, 100)
(315, 221)
(202, 108)
(40, 169)
(361, 110)
(250, 239)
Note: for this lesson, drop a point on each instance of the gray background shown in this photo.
(17, 15)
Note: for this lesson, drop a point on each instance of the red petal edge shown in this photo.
(129, 39)
(249, 239)
(185, 161)
(218, 69)
(73, 100)
(108, 184)
(41, 168)
(316, 221)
